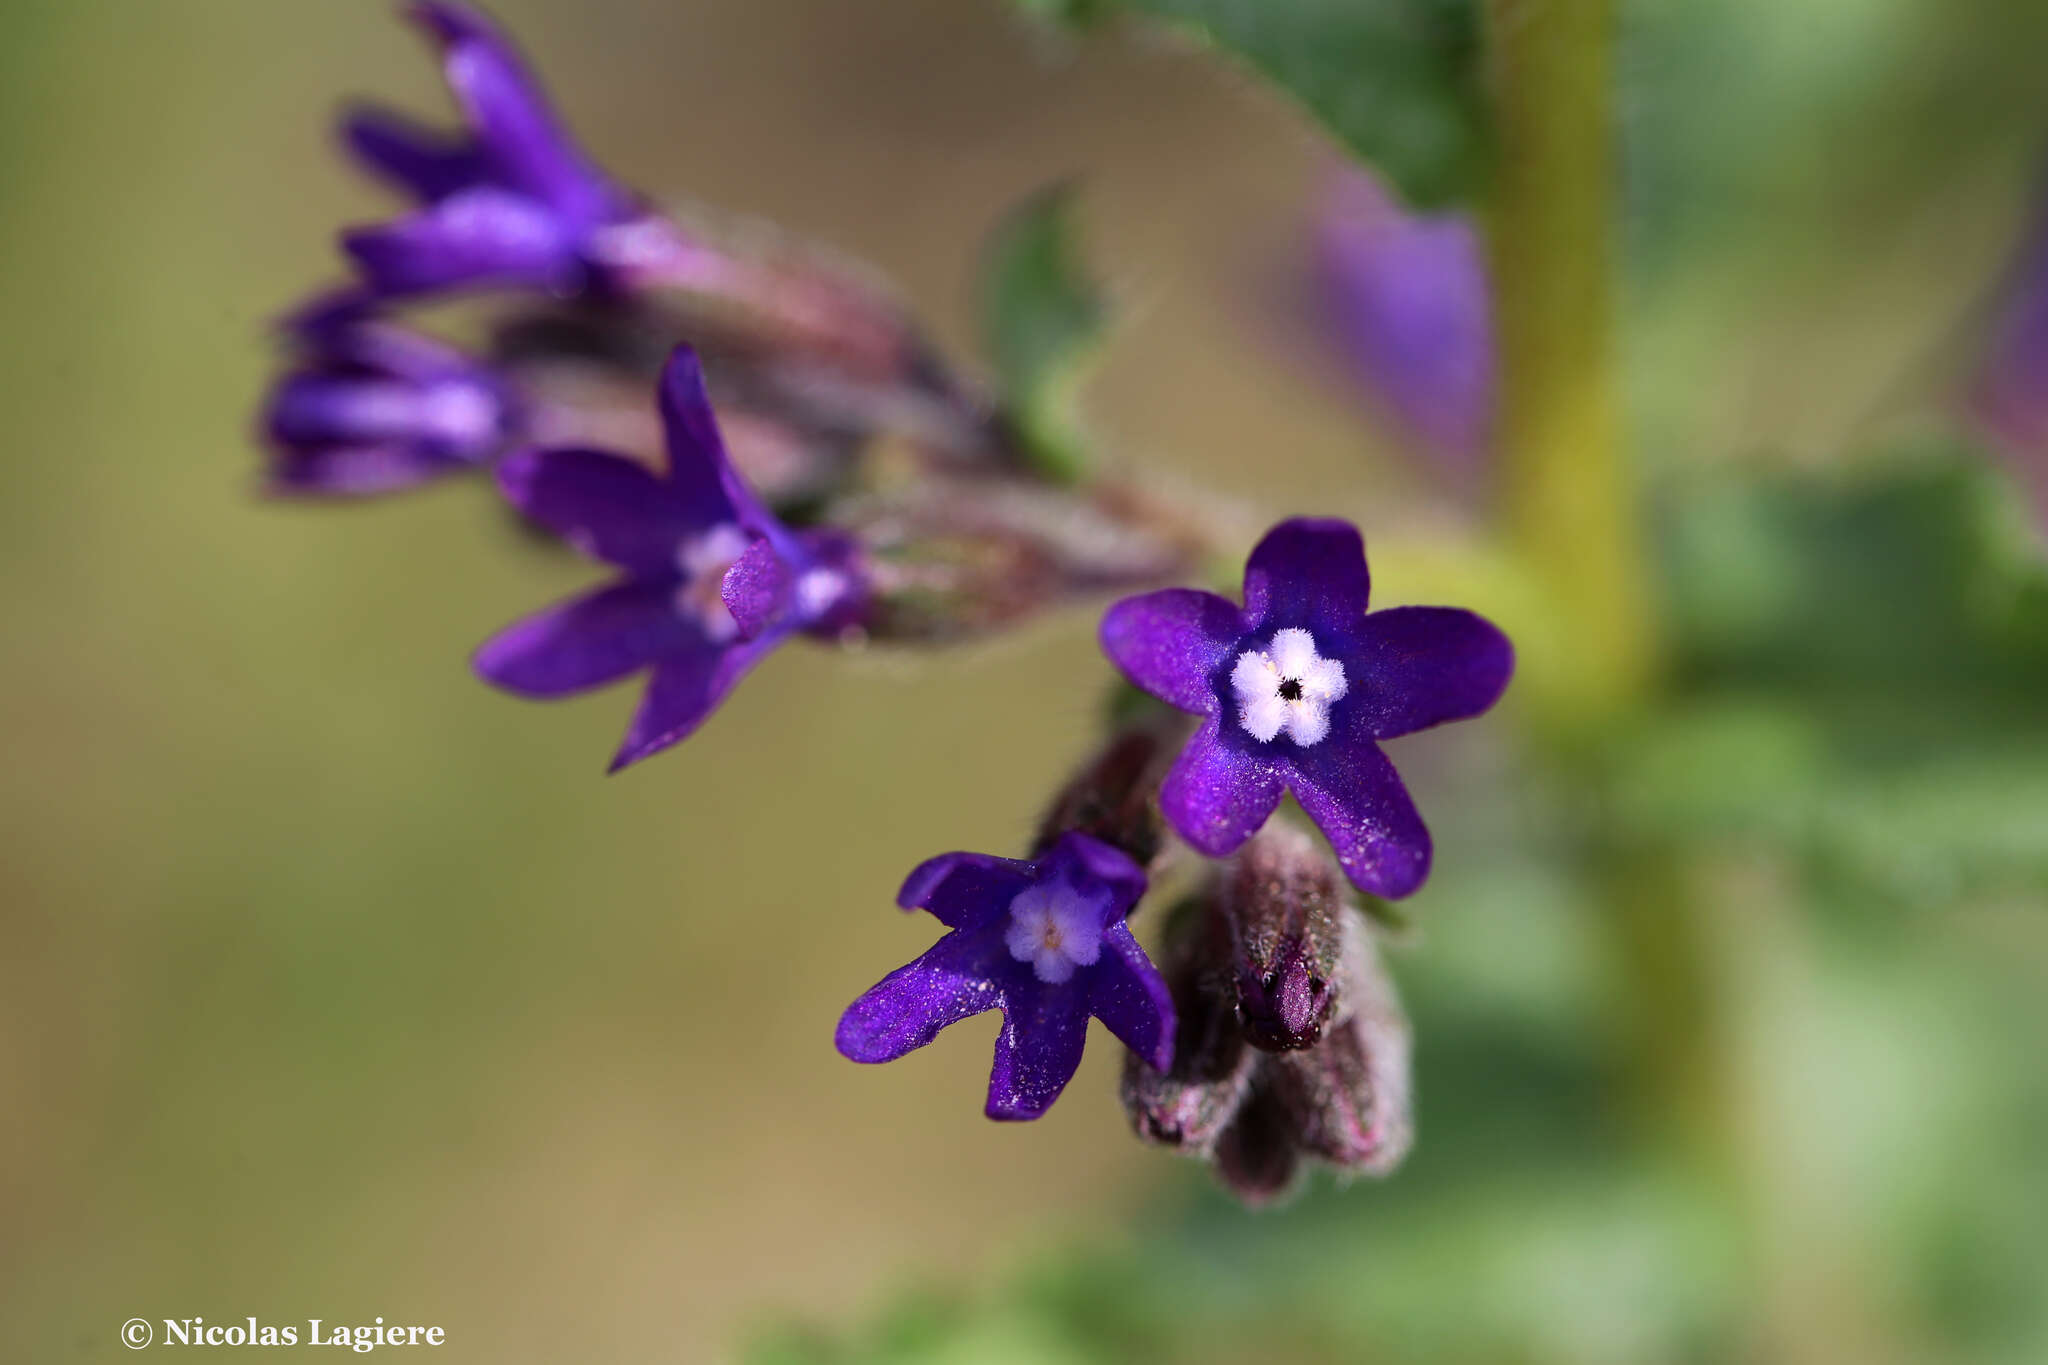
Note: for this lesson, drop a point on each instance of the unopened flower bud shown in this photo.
(1256, 1157)
(1283, 897)
(1114, 796)
(1348, 1097)
(1188, 1106)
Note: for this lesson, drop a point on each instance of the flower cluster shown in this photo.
(696, 418)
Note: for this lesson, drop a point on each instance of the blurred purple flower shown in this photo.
(375, 407)
(1046, 943)
(2008, 392)
(509, 201)
(1407, 294)
(712, 581)
(1297, 688)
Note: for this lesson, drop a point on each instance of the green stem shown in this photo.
(1568, 502)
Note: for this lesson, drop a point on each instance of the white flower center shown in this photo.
(1055, 929)
(703, 560)
(1287, 686)
(818, 591)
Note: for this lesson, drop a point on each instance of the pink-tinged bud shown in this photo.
(1348, 1098)
(1188, 1106)
(1283, 896)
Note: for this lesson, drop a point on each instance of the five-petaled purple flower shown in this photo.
(712, 581)
(1046, 943)
(377, 407)
(1298, 688)
(512, 202)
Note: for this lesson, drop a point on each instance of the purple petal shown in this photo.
(429, 164)
(1350, 789)
(607, 506)
(453, 419)
(1045, 1029)
(964, 890)
(686, 688)
(698, 466)
(478, 237)
(756, 589)
(1099, 862)
(588, 641)
(1216, 796)
(339, 334)
(907, 1008)
(1173, 644)
(1423, 666)
(355, 471)
(510, 113)
(1408, 293)
(1307, 572)
(1126, 992)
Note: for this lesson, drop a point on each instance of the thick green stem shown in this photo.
(1568, 502)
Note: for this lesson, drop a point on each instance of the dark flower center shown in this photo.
(1290, 689)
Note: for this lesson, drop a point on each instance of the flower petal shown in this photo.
(1045, 1030)
(1308, 572)
(1103, 863)
(1127, 993)
(966, 889)
(686, 688)
(1173, 643)
(1429, 665)
(698, 466)
(1350, 789)
(607, 506)
(355, 471)
(509, 111)
(429, 164)
(907, 1008)
(756, 589)
(587, 641)
(478, 237)
(1217, 795)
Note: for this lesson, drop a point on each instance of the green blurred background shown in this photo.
(338, 985)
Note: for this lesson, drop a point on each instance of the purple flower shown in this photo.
(1046, 943)
(711, 580)
(2008, 392)
(376, 407)
(1408, 295)
(1298, 687)
(511, 200)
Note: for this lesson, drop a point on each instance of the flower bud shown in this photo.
(1347, 1098)
(1256, 1158)
(1284, 901)
(1114, 796)
(1188, 1106)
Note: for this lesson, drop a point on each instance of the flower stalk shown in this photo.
(1568, 501)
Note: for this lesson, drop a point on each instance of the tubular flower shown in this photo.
(511, 200)
(1046, 943)
(711, 580)
(375, 408)
(1296, 689)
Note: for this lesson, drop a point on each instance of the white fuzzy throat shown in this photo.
(1287, 687)
(1055, 929)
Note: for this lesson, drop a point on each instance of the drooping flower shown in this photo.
(1296, 688)
(1407, 295)
(511, 200)
(1046, 943)
(711, 580)
(375, 407)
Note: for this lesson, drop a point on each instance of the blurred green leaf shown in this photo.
(1396, 81)
(1861, 656)
(1043, 320)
